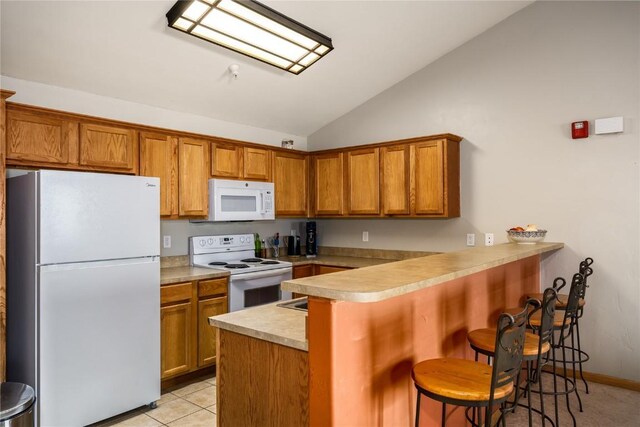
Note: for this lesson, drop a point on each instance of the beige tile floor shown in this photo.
(192, 405)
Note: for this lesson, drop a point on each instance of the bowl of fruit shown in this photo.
(528, 235)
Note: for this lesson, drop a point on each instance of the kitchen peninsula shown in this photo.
(364, 331)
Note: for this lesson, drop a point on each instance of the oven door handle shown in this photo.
(261, 274)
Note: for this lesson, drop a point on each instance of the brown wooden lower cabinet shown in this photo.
(188, 343)
(306, 270)
(260, 383)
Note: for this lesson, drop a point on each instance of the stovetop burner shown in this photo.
(251, 260)
(218, 263)
(236, 266)
(270, 262)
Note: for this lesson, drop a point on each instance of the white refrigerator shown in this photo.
(83, 293)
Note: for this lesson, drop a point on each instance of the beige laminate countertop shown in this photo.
(379, 282)
(187, 274)
(267, 322)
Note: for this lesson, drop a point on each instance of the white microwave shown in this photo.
(231, 200)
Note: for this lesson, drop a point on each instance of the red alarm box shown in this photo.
(580, 129)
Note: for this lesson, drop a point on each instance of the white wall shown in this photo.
(512, 93)
(59, 98)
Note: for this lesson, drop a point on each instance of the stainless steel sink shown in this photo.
(296, 304)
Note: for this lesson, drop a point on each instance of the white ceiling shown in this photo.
(124, 49)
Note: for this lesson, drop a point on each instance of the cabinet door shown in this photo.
(300, 271)
(226, 160)
(207, 333)
(108, 148)
(395, 186)
(159, 158)
(429, 178)
(326, 269)
(257, 164)
(363, 182)
(328, 184)
(40, 138)
(290, 180)
(193, 172)
(176, 339)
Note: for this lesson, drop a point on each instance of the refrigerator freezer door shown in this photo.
(99, 349)
(92, 216)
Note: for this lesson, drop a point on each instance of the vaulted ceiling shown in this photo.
(124, 49)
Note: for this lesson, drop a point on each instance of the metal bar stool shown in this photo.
(474, 384)
(561, 304)
(563, 325)
(483, 341)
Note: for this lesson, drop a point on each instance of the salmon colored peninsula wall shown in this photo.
(361, 354)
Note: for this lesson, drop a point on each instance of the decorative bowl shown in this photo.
(526, 237)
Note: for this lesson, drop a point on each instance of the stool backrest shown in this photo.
(575, 293)
(547, 316)
(509, 347)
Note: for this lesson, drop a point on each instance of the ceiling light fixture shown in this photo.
(253, 29)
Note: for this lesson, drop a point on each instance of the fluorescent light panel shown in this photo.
(253, 29)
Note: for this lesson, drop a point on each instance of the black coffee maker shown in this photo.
(312, 244)
(293, 245)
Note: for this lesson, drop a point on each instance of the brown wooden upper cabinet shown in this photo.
(395, 189)
(226, 160)
(257, 164)
(236, 161)
(418, 177)
(108, 148)
(193, 174)
(159, 158)
(328, 181)
(437, 178)
(35, 139)
(363, 181)
(290, 176)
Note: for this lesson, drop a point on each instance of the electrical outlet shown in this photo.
(488, 239)
(293, 232)
(365, 236)
(471, 239)
(166, 242)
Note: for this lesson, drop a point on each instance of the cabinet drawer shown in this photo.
(175, 293)
(207, 288)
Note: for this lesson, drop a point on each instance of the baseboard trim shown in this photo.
(601, 379)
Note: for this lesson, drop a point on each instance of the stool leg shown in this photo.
(539, 380)
(586, 386)
(444, 414)
(555, 377)
(566, 382)
(573, 364)
(529, 391)
(418, 410)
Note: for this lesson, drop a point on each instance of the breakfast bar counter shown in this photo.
(365, 329)
(379, 282)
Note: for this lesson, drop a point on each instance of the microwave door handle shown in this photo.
(261, 274)
(262, 211)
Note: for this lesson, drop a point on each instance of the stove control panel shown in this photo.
(210, 244)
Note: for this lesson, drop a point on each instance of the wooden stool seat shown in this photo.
(534, 319)
(562, 300)
(484, 340)
(458, 379)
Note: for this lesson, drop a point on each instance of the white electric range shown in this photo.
(253, 281)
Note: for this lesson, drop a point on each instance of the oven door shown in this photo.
(262, 287)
